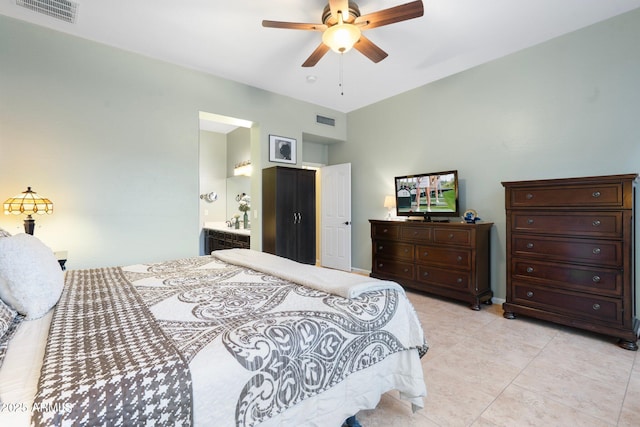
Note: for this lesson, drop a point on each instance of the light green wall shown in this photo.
(212, 178)
(112, 139)
(213, 160)
(315, 153)
(238, 148)
(568, 107)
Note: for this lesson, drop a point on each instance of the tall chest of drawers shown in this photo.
(570, 253)
(447, 259)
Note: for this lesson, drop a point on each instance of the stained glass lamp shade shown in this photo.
(28, 202)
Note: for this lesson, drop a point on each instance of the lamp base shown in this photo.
(29, 225)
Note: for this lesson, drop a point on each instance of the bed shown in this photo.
(238, 338)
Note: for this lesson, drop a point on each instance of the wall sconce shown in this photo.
(389, 203)
(242, 168)
(209, 197)
(28, 202)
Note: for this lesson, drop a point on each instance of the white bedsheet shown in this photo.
(21, 369)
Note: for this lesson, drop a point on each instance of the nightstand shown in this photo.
(61, 256)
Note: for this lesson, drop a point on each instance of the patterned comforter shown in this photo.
(256, 345)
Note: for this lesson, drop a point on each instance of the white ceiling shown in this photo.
(226, 38)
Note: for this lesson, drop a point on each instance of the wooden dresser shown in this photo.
(570, 253)
(447, 259)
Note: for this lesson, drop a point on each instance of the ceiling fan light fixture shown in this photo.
(343, 26)
(341, 37)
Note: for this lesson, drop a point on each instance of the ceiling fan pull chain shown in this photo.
(341, 82)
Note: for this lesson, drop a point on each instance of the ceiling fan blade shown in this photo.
(336, 5)
(370, 49)
(293, 25)
(316, 55)
(415, 9)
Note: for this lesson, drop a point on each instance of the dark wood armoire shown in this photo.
(289, 213)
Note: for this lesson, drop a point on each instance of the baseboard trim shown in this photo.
(360, 271)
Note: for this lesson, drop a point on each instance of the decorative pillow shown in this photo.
(4, 233)
(7, 314)
(31, 280)
(9, 321)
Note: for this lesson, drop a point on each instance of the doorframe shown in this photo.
(317, 167)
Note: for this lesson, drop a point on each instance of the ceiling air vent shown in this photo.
(325, 120)
(59, 9)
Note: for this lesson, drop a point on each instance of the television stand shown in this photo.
(450, 259)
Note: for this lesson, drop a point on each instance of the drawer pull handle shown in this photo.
(596, 223)
(529, 245)
(450, 235)
(529, 269)
(596, 306)
(380, 247)
(529, 294)
(380, 265)
(415, 233)
(529, 196)
(596, 279)
(406, 250)
(530, 221)
(406, 270)
(385, 230)
(459, 280)
(459, 258)
(425, 274)
(596, 251)
(596, 194)
(425, 253)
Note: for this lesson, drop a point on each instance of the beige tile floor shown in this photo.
(483, 370)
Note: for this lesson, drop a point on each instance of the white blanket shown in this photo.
(341, 283)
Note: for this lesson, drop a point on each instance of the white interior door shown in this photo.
(335, 224)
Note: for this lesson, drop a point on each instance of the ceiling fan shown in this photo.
(342, 26)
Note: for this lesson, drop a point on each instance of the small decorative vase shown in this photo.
(237, 224)
(246, 220)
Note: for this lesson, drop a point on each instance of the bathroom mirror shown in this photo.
(236, 185)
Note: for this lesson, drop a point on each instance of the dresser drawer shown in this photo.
(452, 236)
(596, 252)
(460, 258)
(606, 194)
(567, 276)
(605, 309)
(389, 231)
(384, 266)
(443, 277)
(391, 249)
(593, 224)
(417, 234)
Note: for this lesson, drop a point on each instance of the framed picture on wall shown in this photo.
(282, 149)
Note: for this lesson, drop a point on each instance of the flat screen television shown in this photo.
(428, 195)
